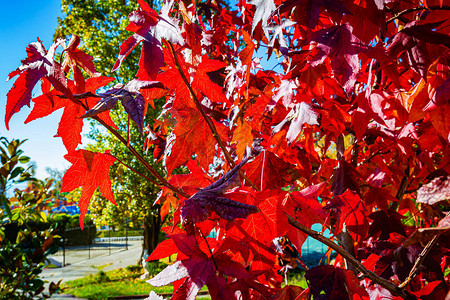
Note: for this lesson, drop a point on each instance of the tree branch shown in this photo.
(135, 171)
(211, 125)
(410, 10)
(358, 265)
(400, 193)
(415, 269)
(163, 181)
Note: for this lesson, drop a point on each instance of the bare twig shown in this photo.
(415, 269)
(410, 10)
(358, 265)
(210, 124)
(135, 171)
(136, 154)
(400, 193)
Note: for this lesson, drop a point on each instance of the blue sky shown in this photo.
(21, 22)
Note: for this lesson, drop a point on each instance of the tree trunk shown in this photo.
(152, 227)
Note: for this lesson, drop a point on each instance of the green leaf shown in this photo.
(24, 159)
(5, 203)
(16, 172)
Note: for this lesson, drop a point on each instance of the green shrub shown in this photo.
(25, 243)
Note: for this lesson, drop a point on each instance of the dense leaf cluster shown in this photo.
(351, 131)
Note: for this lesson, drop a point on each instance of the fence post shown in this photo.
(109, 239)
(89, 241)
(126, 235)
(64, 244)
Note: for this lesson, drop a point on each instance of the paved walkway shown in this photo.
(117, 259)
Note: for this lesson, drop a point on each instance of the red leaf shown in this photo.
(351, 212)
(164, 249)
(268, 171)
(203, 82)
(75, 59)
(71, 124)
(89, 170)
(192, 136)
(39, 63)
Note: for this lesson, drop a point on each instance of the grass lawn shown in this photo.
(126, 282)
(105, 285)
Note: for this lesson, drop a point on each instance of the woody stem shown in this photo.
(136, 154)
(208, 121)
(358, 265)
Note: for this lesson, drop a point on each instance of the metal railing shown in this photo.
(70, 254)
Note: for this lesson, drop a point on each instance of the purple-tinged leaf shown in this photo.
(125, 49)
(413, 39)
(38, 64)
(131, 98)
(104, 104)
(437, 190)
(151, 60)
(199, 207)
(134, 106)
(342, 47)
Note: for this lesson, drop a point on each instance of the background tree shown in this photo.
(134, 197)
(101, 26)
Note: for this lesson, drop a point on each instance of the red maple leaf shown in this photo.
(352, 212)
(75, 59)
(268, 171)
(199, 269)
(71, 123)
(193, 136)
(38, 64)
(89, 170)
(202, 80)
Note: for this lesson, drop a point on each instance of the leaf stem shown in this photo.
(211, 125)
(135, 171)
(358, 265)
(163, 181)
(210, 251)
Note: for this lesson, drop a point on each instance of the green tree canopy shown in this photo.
(101, 26)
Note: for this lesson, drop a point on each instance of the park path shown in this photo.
(120, 258)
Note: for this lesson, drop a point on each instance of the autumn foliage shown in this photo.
(351, 130)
